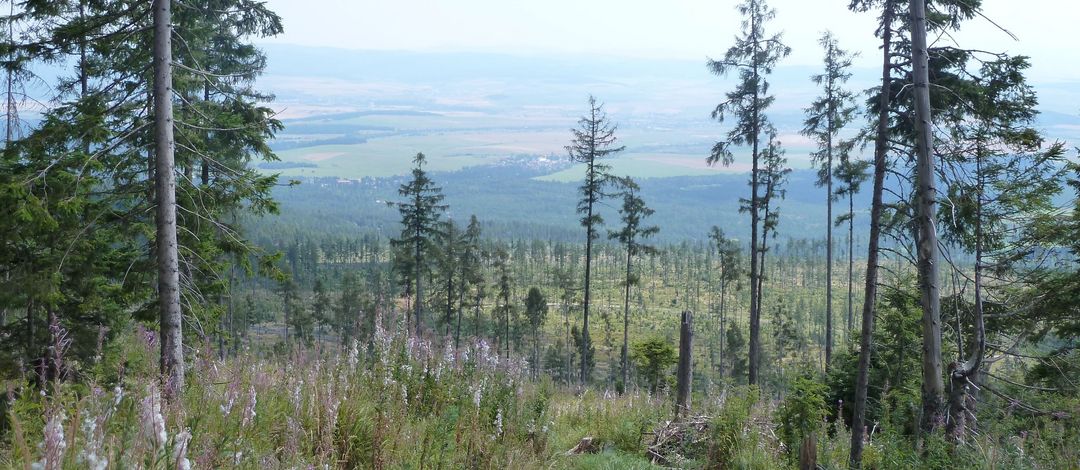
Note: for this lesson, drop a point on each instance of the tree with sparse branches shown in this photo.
(536, 310)
(729, 258)
(632, 236)
(753, 57)
(825, 118)
(593, 141)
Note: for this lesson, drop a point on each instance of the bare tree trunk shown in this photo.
(929, 284)
(172, 352)
(586, 341)
(858, 419)
(461, 312)
(850, 265)
(449, 302)
(755, 274)
(418, 305)
(684, 374)
(205, 163)
(723, 318)
(626, 325)
(829, 237)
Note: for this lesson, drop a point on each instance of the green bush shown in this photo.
(802, 413)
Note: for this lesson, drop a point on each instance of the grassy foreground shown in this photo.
(405, 402)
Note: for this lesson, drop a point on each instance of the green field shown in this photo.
(647, 165)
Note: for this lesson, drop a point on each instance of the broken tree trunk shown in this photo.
(682, 400)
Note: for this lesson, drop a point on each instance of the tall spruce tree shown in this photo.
(536, 310)
(727, 251)
(851, 174)
(95, 143)
(168, 260)
(593, 140)
(933, 389)
(894, 137)
(825, 118)
(1000, 178)
(753, 57)
(879, 107)
(420, 228)
(503, 304)
(470, 275)
(451, 262)
(632, 236)
(774, 176)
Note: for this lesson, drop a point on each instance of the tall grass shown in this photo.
(399, 402)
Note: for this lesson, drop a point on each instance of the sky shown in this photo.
(672, 29)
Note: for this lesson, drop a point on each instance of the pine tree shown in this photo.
(94, 144)
(347, 308)
(753, 57)
(593, 140)
(321, 306)
(420, 228)
(632, 236)
(536, 310)
(1002, 177)
(503, 304)
(825, 118)
(851, 174)
(469, 271)
(894, 131)
(773, 177)
(451, 263)
(728, 252)
(880, 108)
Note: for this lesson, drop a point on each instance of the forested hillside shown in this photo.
(193, 275)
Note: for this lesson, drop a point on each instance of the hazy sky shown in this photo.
(683, 29)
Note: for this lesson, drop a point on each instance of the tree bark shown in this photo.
(205, 176)
(417, 253)
(755, 270)
(585, 339)
(858, 419)
(829, 229)
(684, 375)
(171, 338)
(929, 283)
(723, 318)
(626, 323)
(850, 265)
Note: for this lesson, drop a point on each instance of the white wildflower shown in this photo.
(180, 450)
(54, 443)
(249, 409)
(354, 355)
(498, 422)
(152, 425)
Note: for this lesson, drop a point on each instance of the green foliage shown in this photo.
(420, 228)
(802, 413)
(894, 383)
(729, 427)
(76, 194)
(653, 359)
(736, 352)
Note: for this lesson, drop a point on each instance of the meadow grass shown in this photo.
(398, 402)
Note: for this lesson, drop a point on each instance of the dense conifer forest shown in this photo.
(169, 300)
